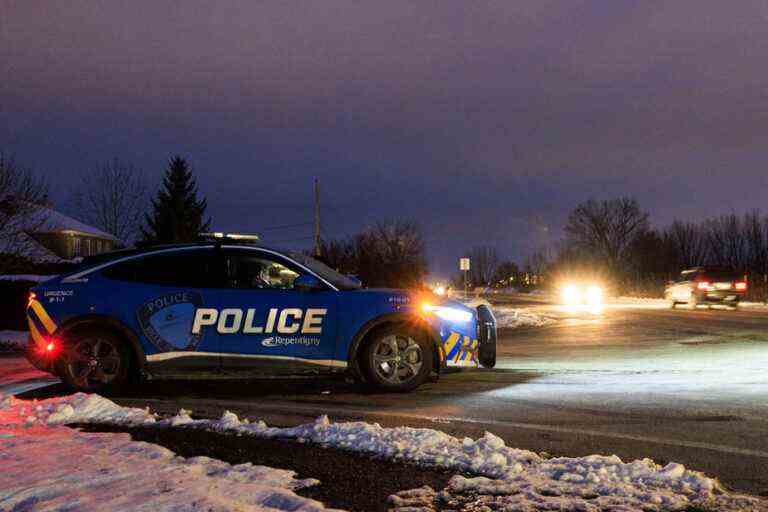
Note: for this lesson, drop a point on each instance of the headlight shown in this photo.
(448, 313)
(571, 295)
(594, 295)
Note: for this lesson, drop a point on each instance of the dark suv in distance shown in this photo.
(707, 285)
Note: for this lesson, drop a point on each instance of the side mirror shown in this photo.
(307, 283)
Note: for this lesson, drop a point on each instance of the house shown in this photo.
(45, 235)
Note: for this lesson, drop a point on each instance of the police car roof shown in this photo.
(105, 257)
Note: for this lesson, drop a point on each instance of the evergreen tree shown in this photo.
(177, 214)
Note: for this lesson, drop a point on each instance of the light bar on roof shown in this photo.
(231, 236)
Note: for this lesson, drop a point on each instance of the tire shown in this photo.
(95, 361)
(396, 359)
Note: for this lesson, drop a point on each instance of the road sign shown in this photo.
(464, 264)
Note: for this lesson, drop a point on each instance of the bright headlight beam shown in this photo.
(448, 313)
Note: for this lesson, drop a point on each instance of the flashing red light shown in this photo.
(50, 346)
(741, 286)
(703, 285)
(32, 297)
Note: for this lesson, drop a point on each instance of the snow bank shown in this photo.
(49, 467)
(513, 318)
(13, 340)
(514, 479)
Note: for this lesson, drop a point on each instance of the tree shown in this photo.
(605, 230)
(391, 254)
(113, 197)
(726, 241)
(177, 213)
(484, 260)
(506, 274)
(687, 244)
(21, 195)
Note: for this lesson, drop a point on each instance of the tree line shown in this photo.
(614, 239)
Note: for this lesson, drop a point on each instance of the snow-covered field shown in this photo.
(51, 465)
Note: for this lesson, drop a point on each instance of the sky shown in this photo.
(486, 121)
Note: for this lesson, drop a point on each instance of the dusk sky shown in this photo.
(486, 121)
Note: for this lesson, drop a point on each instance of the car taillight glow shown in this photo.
(703, 285)
(741, 286)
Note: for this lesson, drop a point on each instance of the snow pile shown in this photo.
(49, 467)
(13, 340)
(512, 318)
(507, 478)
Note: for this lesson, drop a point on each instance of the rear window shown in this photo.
(189, 269)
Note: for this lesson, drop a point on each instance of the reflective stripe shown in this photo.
(165, 356)
(36, 336)
(450, 344)
(49, 324)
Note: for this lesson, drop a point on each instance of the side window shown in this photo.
(248, 269)
(189, 269)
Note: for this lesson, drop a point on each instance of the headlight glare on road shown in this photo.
(448, 313)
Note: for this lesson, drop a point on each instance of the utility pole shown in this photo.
(317, 217)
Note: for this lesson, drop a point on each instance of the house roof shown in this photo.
(48, 220)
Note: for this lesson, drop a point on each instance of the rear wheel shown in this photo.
(397, 359)
(95, 361)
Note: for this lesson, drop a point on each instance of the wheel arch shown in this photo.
(390, 319)
(111, 324)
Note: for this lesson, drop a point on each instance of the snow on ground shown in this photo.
(512, 318)
(49, 467)
(13, 340)
(504, 477)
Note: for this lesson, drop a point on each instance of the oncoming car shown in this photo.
(587, 293)
(226, 309)
(707, 285)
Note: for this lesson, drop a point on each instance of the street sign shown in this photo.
(464, 264)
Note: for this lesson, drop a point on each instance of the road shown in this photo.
(635, 380)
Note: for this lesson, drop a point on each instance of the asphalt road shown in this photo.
(638, 381)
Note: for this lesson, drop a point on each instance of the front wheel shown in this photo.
(397, 359)
(95, 361)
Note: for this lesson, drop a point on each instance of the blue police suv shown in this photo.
(223, 308)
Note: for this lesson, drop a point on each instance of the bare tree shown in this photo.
(113, 197)
(726, 240)
(484, 260)
(21, 195)
(605, 230)
(687, 244)
(391, 254)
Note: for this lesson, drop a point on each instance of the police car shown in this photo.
(224, 308)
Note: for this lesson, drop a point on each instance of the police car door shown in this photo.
(264, 324)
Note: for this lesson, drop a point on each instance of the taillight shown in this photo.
(31, 299)
(703, 285)
(740, 286)
(50, 348)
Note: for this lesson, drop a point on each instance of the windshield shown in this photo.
(337, 279)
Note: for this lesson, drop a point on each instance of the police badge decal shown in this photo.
(167, 321)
